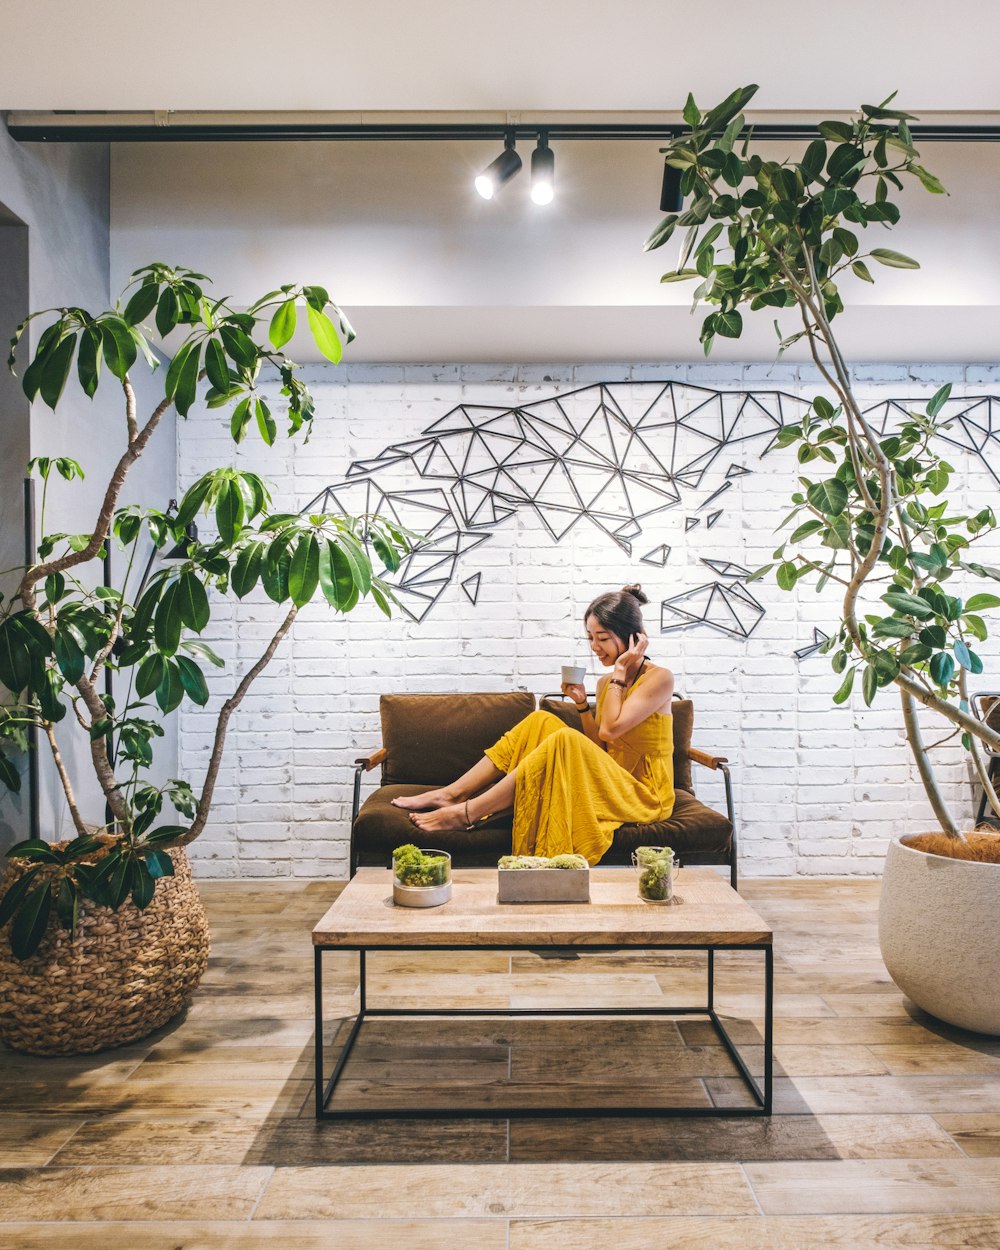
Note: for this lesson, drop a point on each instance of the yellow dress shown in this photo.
(570, 795)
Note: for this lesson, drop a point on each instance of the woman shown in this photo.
(570, 792)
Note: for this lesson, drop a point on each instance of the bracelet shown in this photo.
(582, 707)
(613, 681)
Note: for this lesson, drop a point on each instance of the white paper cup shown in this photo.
(573, 674)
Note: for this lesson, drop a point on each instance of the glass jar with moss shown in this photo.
(655, 866)
(420, 878)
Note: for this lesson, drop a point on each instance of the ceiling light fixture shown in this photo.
(671, 199)
(499, 171)
(543, 164)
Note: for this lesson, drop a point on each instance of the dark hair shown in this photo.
(620, 611)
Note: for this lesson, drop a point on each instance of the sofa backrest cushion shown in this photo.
(683, 713)
(433, 738)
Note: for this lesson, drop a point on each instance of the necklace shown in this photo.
(638, 673)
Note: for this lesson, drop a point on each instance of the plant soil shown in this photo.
(980, 846)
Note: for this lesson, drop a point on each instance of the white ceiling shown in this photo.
(429, 272)
(475, 54)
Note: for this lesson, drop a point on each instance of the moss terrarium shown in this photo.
(420, 878)
(655, 866)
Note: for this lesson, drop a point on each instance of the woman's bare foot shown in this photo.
(443, 818)
(425, 802)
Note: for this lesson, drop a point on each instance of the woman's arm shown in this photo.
(587, 723)
(619, 715)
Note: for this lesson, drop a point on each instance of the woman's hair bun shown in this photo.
(636, 592)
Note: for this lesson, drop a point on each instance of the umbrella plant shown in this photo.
(872, 513)
(60, 631)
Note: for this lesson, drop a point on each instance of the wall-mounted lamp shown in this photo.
(499, 171)
(671, 200)
(543, 164)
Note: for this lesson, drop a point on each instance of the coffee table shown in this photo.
(706, 915)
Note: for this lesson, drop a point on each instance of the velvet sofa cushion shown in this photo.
(380, 828)
(433, 738)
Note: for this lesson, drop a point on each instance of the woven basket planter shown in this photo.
(124, 975)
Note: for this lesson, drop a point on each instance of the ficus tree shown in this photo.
(60, 631)
(872, 513)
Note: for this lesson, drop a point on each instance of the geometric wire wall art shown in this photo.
(644, 463)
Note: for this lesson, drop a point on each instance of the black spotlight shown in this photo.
(500, 171)
(543, 165)
(671, 199)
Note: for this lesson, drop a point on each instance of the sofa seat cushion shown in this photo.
(380, 828)
(692, 828)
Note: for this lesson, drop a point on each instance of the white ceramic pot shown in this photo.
(940, 936)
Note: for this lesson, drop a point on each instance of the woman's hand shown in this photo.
(574, 691)
(627, 664)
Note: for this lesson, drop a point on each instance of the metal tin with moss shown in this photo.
(420, 878)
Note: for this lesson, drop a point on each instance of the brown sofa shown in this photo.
(430, 739)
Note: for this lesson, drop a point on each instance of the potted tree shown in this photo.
(103, 937)
(872, 515)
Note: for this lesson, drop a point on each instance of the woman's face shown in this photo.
(604, 644)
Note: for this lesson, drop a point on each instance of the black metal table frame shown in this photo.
(762, 1096)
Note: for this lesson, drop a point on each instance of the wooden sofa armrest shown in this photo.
(706, 760)
(368, 762)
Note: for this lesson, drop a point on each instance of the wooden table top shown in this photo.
(705, 910)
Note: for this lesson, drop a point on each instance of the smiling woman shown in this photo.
(570, 791)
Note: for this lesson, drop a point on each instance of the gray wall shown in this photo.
(61, 195)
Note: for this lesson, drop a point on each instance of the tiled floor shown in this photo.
(886, 1132)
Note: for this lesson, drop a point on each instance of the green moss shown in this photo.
(541, 861)
(413, 867)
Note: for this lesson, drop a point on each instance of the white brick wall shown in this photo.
(819, 789)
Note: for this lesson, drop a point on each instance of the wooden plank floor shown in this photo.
(886, 1133)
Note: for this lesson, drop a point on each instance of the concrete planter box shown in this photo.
(544, 885)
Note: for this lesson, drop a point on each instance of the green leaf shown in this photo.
(829, 497)
(691, 114)
(910, 605)
(88, 361)
(962, 654)
(893, 627)
(56, 369)
(68, 904)
(119, 346)
(170, 691)
(938, 400)
(240, 420)
(942, 668)
(787, 575)
(869, 684)
(166, 833)
(187, 381)
(335, 576)
(894, 260)
(325, 334)
(229, 513)
(193, 680)
(680, 275)
(141, 304)
(980, 602)
(9, 775)
(192, 601)
(804, 530)
(216, 366)
(303, 575)
(282, 326)
(69, 656)
(15, 894)
(168, 621)
(159, 864)
(729, 324)
(661, 234)
(149, 675)
(193, 499)
(31, 921)
(265, 422)
(167, 311)
(844, 693)
(239, 346)
(246, 570)
(15, 658)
